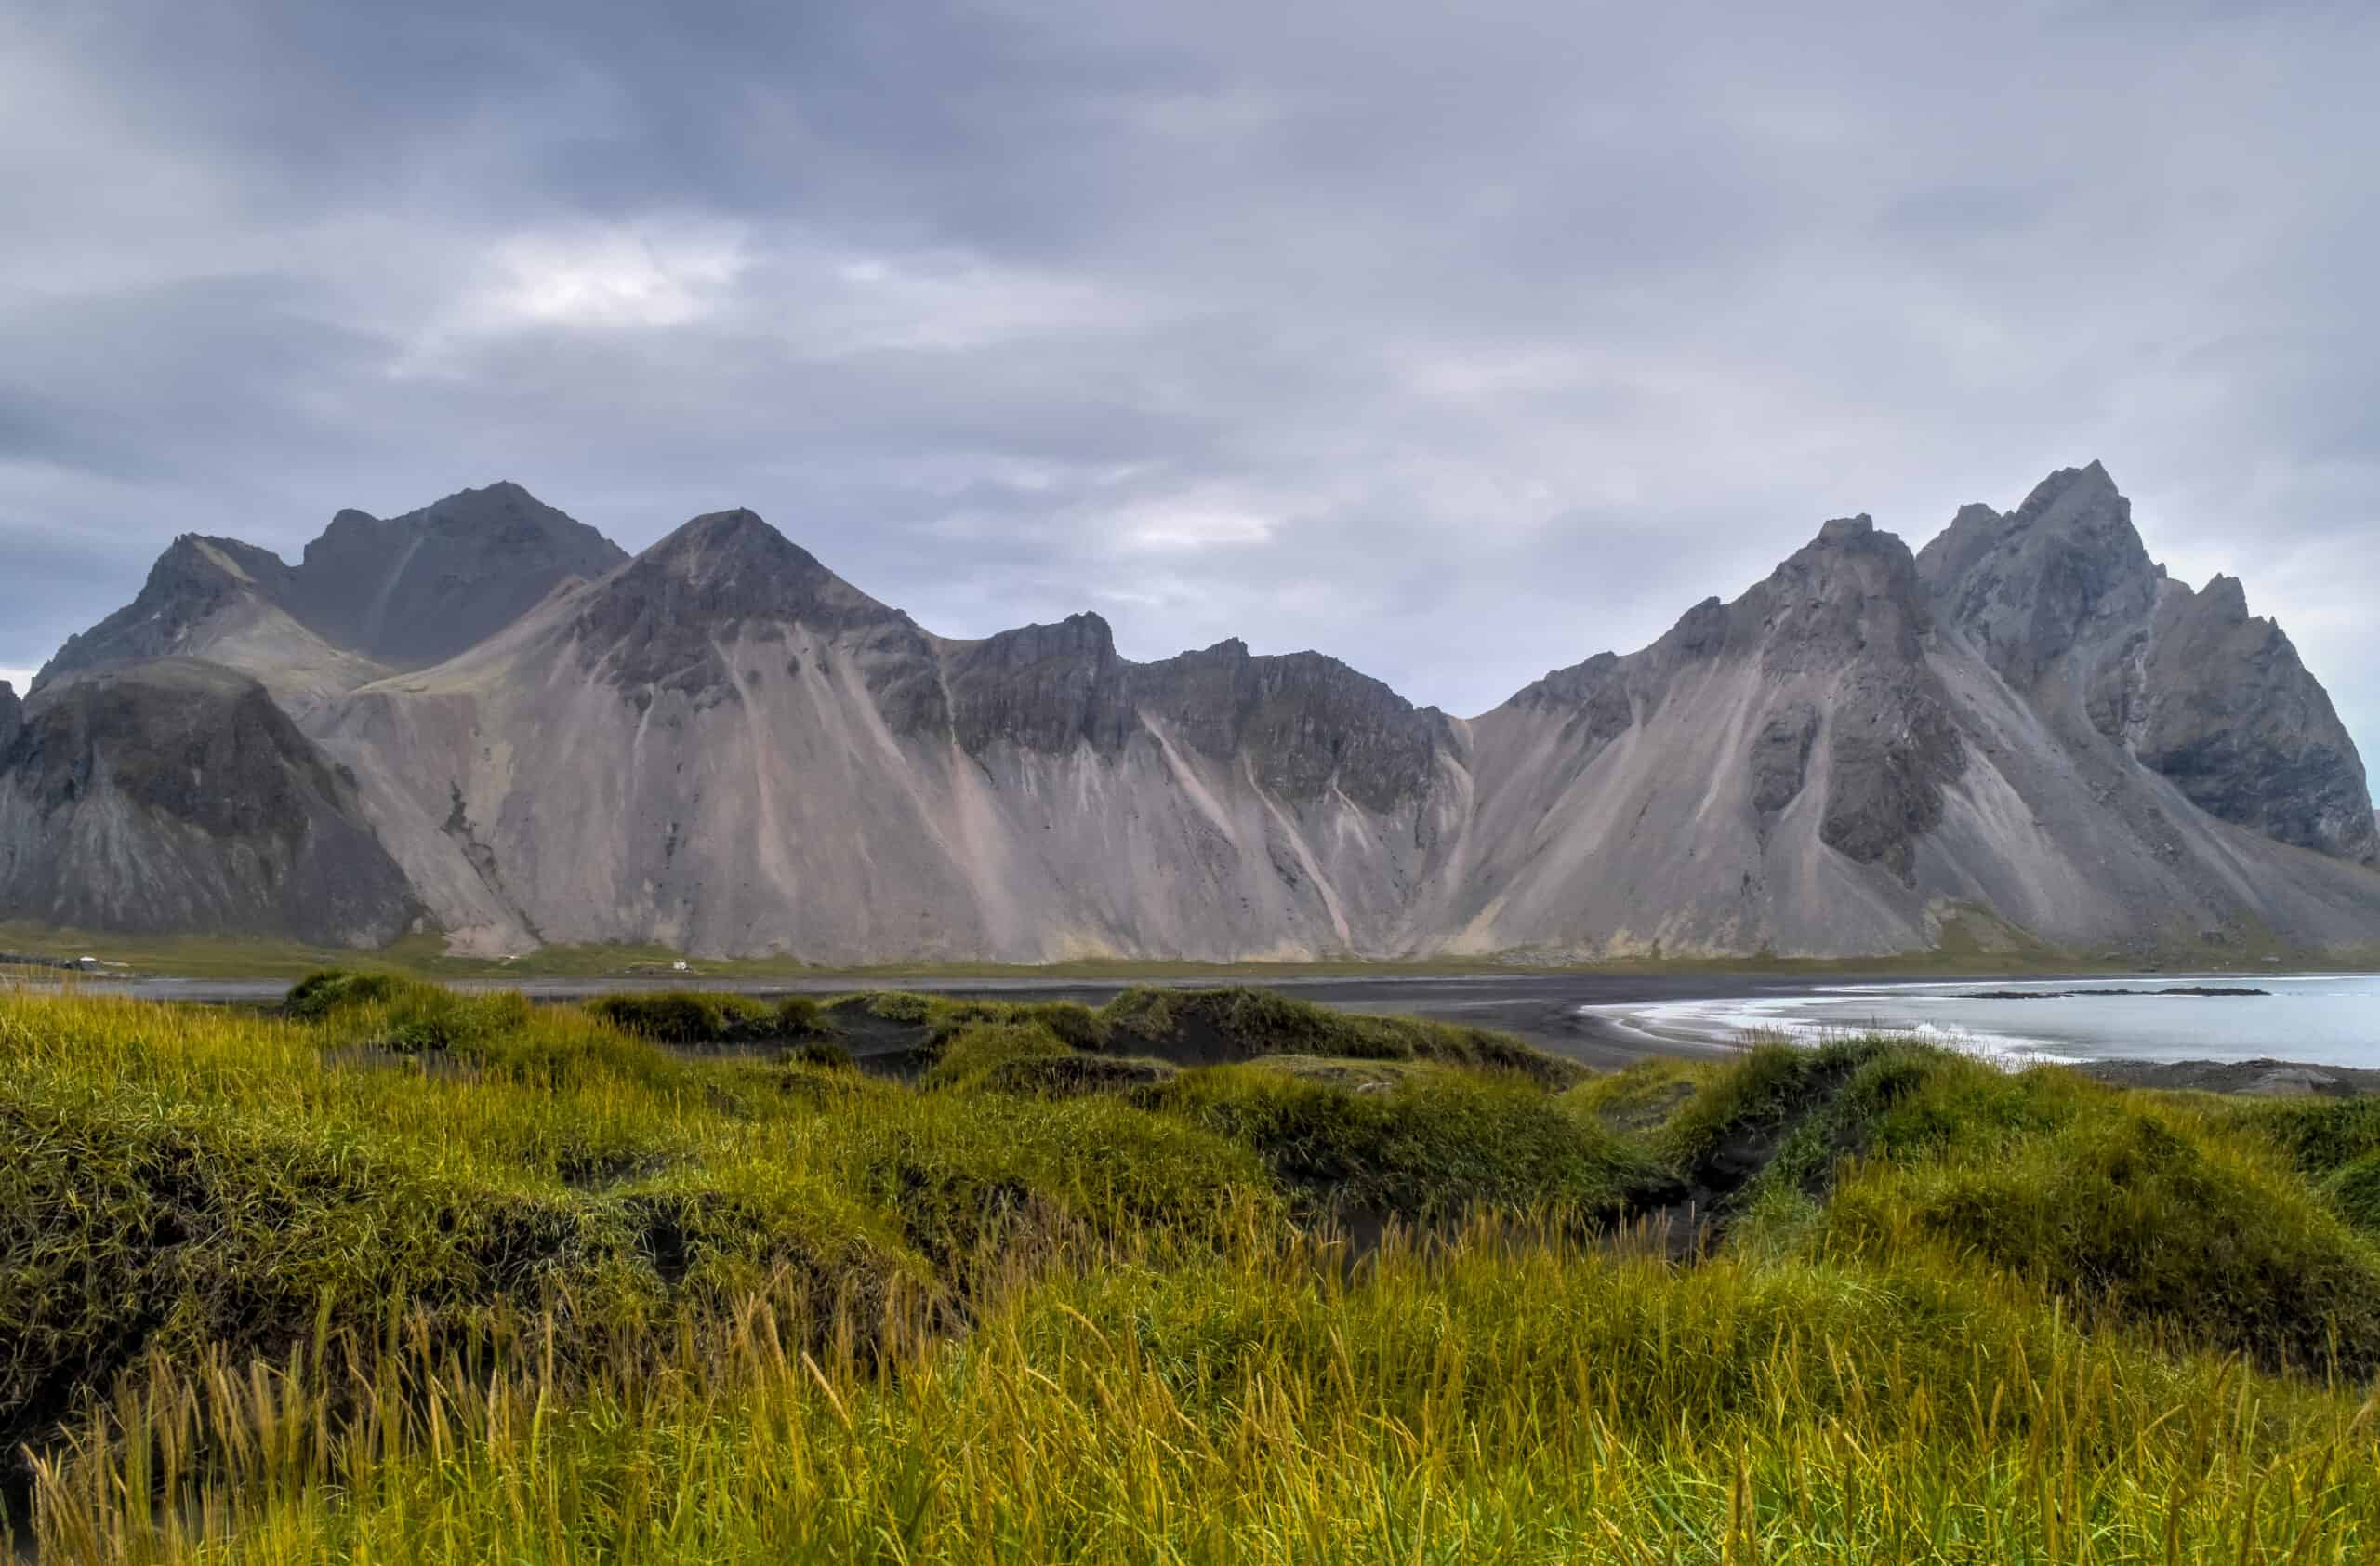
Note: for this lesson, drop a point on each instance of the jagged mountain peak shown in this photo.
(732, 565)
(738, 539)
(418, 589)
(722, 746)
(2227, 596)
(2074, 490)
(500, 507)
(2066, 567)
(658, 622)
(1852, 591)
(197, 586)
(1084, 636)
(199, 554)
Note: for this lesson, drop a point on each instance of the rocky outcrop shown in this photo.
(1046, 688)
(176, 796)
(1300, 724)
(1851, 603)
(12, 715)
(2063, 600)
(2063, 570)
(2217, 701)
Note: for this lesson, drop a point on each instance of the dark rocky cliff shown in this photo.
(416, 589)
(2065, 570)
(1303, 723)
(2062, 599)
(2218, 701)
(175, 795)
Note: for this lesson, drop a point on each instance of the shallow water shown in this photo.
(2328, 1019)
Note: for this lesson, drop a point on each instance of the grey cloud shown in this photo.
(1473, 341)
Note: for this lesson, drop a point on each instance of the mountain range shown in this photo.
(485, 719)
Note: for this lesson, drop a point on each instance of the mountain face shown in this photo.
(220, 600)
(2023, 733)
(2061, 598)
(416, 589)
(176, 795)
(371, 597)
(723, 745)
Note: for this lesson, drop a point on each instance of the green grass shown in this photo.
(396, 1275)
(1433, 1143)
(1219, 1026)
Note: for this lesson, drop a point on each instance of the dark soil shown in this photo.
(2263, 1078)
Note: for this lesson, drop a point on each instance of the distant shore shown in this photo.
(1556, 1011)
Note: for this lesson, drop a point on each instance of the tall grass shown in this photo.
(277, 1290)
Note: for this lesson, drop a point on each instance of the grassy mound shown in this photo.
(1433, 1143)
(1222, 1027)
(690, 1017)
(134, 1222)
(2123, 1206)
(978, 1049)
(2356, 1189)
(1643, 1098)
(404, 1015)
(2318, 1135)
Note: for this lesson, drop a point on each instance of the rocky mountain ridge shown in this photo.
(2023, 733)
(370, 596)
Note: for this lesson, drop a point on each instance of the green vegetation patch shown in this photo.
(2356, 1189)
(1220, 1026)
(978, 1049)
(1641, 1098)
(401, 1274)
(129, 1225)
(407, 1016)
(1434, 1142)
(2319, 1136)
(2124, 1207)
(687, 1018)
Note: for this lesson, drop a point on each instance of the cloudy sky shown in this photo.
(1459, 341)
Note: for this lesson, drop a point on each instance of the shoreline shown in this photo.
(1567, 1014)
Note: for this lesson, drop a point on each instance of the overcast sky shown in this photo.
(1458, 341)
